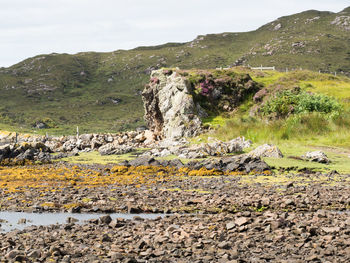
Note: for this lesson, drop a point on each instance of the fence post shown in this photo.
(77, 132)
(16, 139)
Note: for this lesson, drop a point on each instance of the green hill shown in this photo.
(101, 91)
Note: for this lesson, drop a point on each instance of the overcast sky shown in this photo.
(32, 27)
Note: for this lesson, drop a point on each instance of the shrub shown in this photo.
(287, 102)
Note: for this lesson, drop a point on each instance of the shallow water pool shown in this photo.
(11, 220)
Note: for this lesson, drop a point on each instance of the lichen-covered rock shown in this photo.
(266, 150)
(169, 107)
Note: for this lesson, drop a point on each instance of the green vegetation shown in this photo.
(339, 157)
(96, 158)
(288, 102)
(100, 92)
(321, 122)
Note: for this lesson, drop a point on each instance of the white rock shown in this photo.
(266, 150)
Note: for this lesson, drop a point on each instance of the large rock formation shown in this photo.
(169, 107)
(176, 100)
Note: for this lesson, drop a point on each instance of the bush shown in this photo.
(287, 102)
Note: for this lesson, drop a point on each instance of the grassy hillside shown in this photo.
(307, 128)
(101, 91)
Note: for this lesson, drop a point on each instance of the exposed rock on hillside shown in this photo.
(175, 100)
(342, 22)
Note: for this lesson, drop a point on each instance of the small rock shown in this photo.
(241, 221)
(230, 225)
(224, 245)
(105, 219)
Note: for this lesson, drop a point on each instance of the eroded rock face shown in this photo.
(169, 107)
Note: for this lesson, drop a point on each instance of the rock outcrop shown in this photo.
(169, 107)
(175, 100)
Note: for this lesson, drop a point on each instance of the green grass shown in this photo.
(214, 121)
(340, 158)
(95, 158)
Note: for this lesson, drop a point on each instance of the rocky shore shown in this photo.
(242, 237)
(211, 216)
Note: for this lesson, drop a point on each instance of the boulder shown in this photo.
(5, 151)
(266, 150)
(317, 156)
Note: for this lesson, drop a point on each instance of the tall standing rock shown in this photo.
(170, 111)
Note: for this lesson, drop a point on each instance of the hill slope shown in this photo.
(101, 91)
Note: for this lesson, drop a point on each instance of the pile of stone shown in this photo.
(215, 148)
(240, 163)
(266, 150)
(25, 151)
(105, 143)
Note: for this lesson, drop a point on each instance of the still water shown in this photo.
(11, 220)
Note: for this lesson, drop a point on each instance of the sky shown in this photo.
(32, 27)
